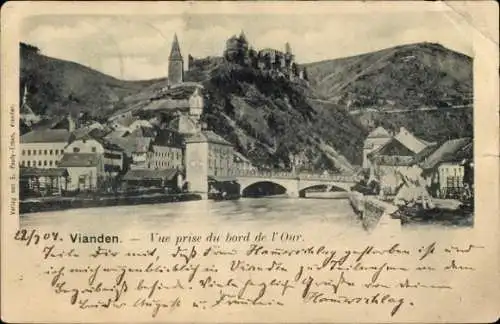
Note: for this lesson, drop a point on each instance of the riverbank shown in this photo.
(62, 203)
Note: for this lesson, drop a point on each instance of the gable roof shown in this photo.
(379, 132)
(105, 142)
(46, 136)
(207, 137)
(132, 144)
(412, 142)
(79, 160)
(454, 150)
(37, 172)
(392, 148)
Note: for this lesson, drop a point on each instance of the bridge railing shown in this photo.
(291, 175)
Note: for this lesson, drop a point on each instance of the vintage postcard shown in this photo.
(256, 162)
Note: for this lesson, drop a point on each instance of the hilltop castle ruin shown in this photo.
(238, 50)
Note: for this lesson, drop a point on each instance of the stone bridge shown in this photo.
(295, 184)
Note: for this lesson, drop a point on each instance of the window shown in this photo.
(76, 149)
(22, 163)
(28, 163)
(94, 149)
(23, 152)
(39, 152)
(45, 152)
(51, 152)
(50, 162)
(34, 152)
(34, 163)
(62, 151)
(40, 163)
(45, 163)
(29, 152)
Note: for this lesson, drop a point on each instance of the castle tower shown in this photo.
(288, 49)
(175, 64)
(243, 41)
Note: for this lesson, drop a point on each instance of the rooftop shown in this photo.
(412, 142)
(379, 132)
(207, 137)
(46, 136)
(132, 144)
(454, 150)
(36, 172)
(79, 160)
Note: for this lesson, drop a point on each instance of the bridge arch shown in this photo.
(330, 186)
(266, 187)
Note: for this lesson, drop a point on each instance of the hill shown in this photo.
(402, 77)
(424, 87)
(269, 117)
(56, 86)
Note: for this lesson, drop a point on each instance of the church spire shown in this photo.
(175, 64)
(175, 53)
(25, 93)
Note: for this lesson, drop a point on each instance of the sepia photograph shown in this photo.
(249, 162)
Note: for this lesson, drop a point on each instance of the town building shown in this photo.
(36, 182)
(207, 155)
(135, 150)
(175, 64)
(85, 171)
(166, 151)
(167, 179)
(110, 154)
(43, 148)
(376, 139)
(394, 158)
(447, 168)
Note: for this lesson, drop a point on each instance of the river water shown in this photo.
(245, 213)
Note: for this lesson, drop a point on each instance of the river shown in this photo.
(245, 213)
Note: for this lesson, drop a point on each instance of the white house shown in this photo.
(43, 148)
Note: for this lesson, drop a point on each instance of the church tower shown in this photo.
(196, 105)
(175, 64)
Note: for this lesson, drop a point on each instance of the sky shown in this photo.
(136, 47)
